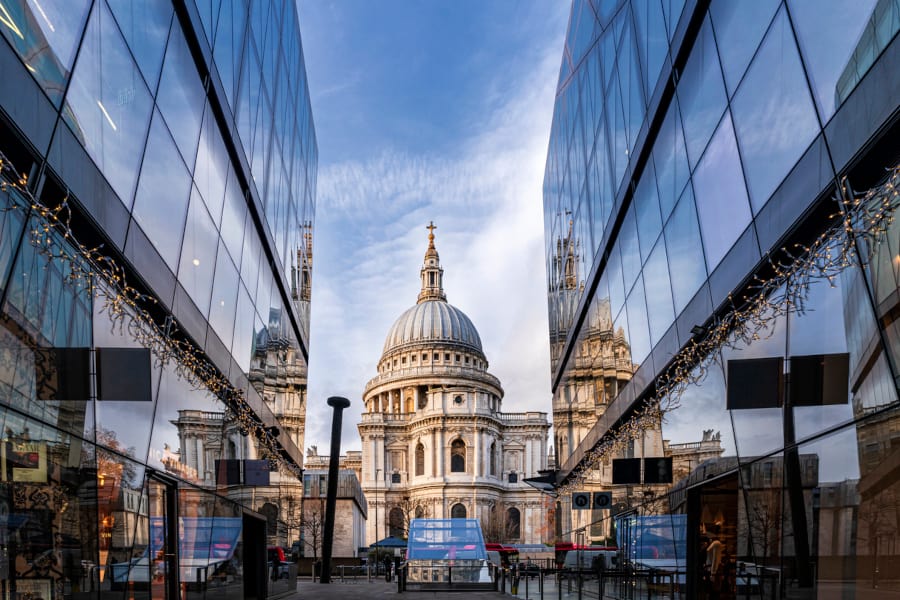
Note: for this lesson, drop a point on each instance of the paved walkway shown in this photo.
(374, 590)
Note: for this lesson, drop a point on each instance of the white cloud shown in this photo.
(371, 238)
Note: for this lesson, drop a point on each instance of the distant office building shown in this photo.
(435, 441)
(156, 220)
(721, 250)
(349, 517)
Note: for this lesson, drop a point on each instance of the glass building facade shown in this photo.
(156, 220)
(705, 186)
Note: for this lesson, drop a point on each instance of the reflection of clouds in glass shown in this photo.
(827, 40)
(838, 458)
(773, 113)
(702, 407)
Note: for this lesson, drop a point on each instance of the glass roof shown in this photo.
(445, 539)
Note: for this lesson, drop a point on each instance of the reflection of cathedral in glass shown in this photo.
(153, 329)
(435, 442)
(707, 303)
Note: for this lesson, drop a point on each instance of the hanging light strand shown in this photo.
(854, 238)
(90, 270)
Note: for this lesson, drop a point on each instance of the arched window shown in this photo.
(513, 523)
(458, 456)
(395, 523)
(420, 459)
(458, 512)
(493, 466)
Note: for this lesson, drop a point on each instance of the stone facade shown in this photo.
(435, 441)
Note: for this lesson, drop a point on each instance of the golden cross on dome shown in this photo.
(431, 227)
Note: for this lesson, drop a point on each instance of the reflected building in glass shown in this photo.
(156, 221)
(722, 266)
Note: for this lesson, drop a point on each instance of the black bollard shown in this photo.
(339, 404)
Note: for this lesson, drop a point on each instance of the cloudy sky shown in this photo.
(429, 111)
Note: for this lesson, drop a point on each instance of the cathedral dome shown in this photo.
(433, 322)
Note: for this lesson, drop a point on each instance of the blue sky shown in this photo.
(429, 111)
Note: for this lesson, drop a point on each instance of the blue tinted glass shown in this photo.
(628, 246)
(44, 35)
(109, 104)
(244, 321)
(233, 215)
(618, 135)
(145, 26)
(670, 158)
(224, 297)
(638, 327)
(614, 277)
(212, 166)
(584, 28)
(633, 103)
(659, 292)
(739, 27)
(198, 254)
(773, 113)
(646, 205)
(181, 95)
(720, 193)
(828, 40)
(672, 11)
(701, 94)
(161, 201)
(229, 44)
(652, 39)
(685, 251)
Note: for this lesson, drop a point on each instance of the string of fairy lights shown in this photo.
(853, 239)
(129, 309)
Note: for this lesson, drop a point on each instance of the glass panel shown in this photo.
(116, 419)
(759, 430)
(773, 113)
(639, 330)
(244, 333)
(828, 39)
(181, 95)
(161, 201)
(12, 223)
(659, 293)
(233, 215)
(820, 329)
(646, 202)
(720, 194)
(628, 244)
(45, 35)
(212, 168)
(670, 158)
(701, 94)
(685, 251)
(229, 44)
(110, 105)
(198, 254)
(652, 39)
(145, 26)
(739, 28)
(224, 297)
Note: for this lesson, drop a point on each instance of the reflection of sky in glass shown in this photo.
(773, 113)
(827, 40)
(720, 194)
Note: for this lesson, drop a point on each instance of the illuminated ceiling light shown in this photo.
(43, 14)
(106, 114)
(196, 262)
(7, 20)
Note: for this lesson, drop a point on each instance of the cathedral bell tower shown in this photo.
(432, 273)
